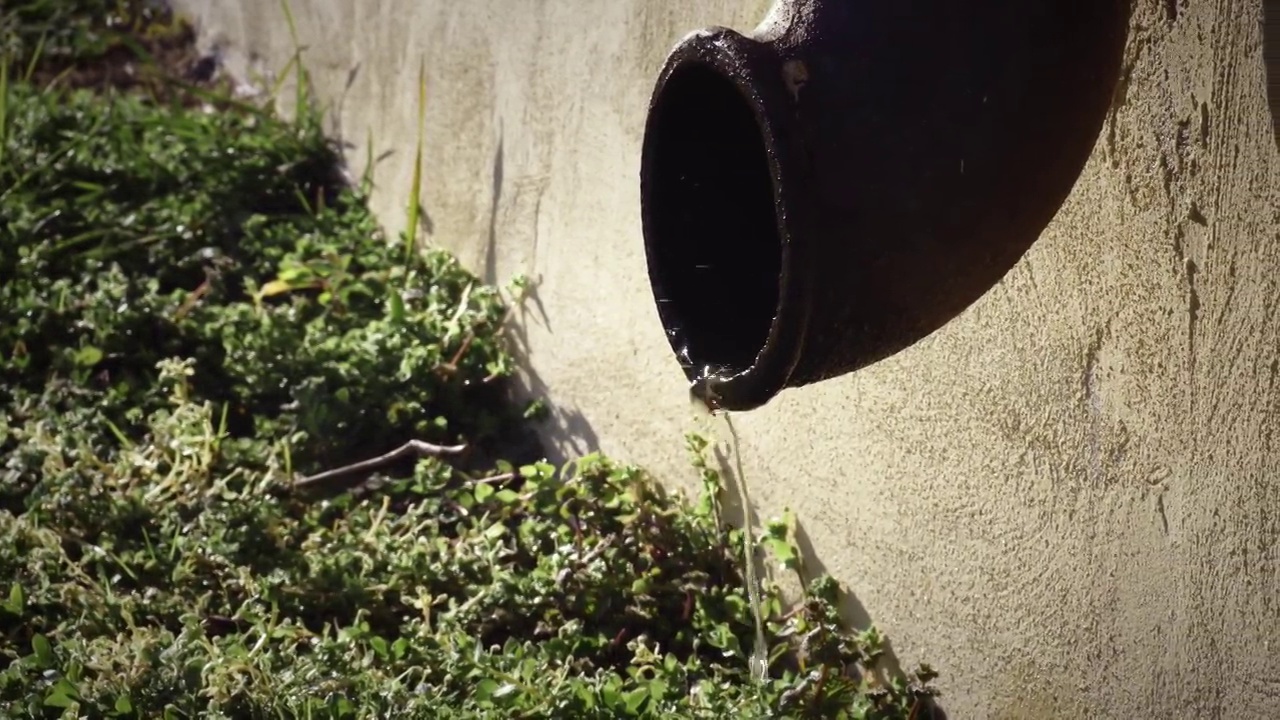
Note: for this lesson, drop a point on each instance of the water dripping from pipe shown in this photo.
(703, 401)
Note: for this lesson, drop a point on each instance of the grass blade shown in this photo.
(301, 100)
(4, 110)
(35, 58)
(415, 188)
(366, 178)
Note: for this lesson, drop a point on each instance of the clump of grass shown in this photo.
(134, 233)
(97, 43)
(195, 311)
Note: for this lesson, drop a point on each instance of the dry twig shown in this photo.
(342, 477)
(499, 478)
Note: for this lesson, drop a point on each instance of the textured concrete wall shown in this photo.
(1068, 499)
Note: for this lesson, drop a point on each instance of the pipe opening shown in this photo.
(715, 254)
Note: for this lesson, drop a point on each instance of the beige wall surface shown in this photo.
(1068, 499)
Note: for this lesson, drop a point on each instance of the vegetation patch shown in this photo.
(203, 334)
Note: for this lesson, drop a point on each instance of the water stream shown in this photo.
(736, 483)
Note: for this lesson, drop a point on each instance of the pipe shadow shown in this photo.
(566, 432)
(737, 509)
(855, 613)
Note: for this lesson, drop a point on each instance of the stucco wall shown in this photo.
(1068, 499)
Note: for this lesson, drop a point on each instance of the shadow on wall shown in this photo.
(852, 611)
(491, 250)
(349, 147)
(1271, 59)
(570, 434)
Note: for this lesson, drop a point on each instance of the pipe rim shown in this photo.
(754, 71)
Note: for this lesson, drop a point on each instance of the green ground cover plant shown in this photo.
(199, 322)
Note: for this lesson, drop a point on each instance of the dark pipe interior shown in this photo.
(715, 256)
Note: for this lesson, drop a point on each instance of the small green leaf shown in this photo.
(275, 287)
(17, 601)
(123, 706)
(59, 699)
(193, 673)
(88, 356)
(657, 690)
(586, 695)
(44, 651)
(395, 307)
(486, 688)
(289, 275)
(483, 492)
(612, 698)
(635, 699)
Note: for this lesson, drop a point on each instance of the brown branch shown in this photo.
(462, 349)
(500, 478)
(194, 296)
(451, 366)
(340, 477)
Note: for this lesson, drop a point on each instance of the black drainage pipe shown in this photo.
(832, 189)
